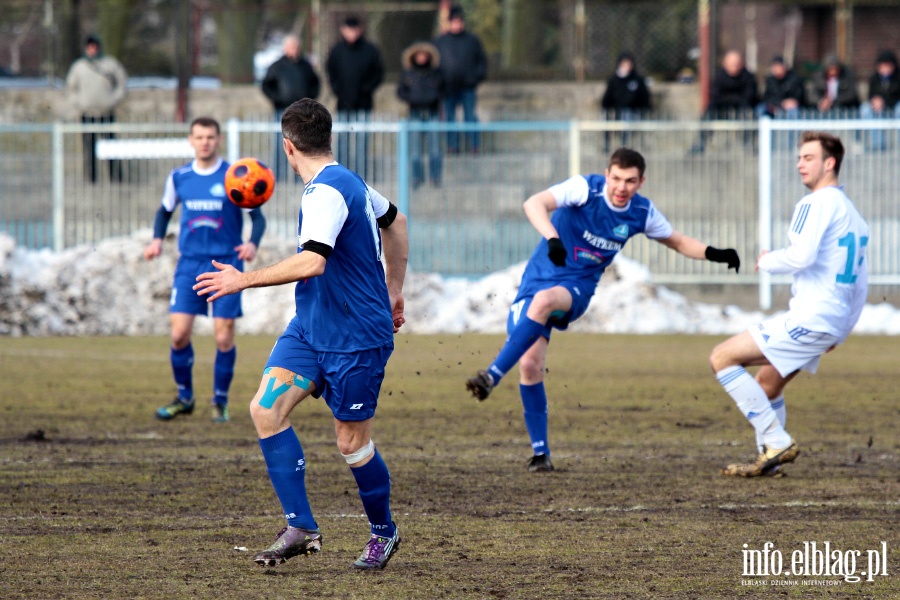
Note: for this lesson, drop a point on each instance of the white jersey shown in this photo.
(827, 256)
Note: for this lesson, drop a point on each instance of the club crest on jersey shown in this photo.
(217, 190)
(621, 231)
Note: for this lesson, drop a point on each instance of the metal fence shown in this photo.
(738, 192)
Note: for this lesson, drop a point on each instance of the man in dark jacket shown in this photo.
(626, 97)
(834, 87)
(464, 65)
(422, 87)
(733, 94)
(354, 71)
(884, 95)
(288, 79)
(784, 95)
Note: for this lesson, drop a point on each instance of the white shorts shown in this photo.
(789, 346)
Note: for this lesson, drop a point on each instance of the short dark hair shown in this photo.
(206, 122)
(626, 158)
(831, 146)
(352, 21)
(307, 124)
(456, 12)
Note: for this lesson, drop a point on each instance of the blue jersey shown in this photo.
(347, 308)
(211, 225)
(593, 232)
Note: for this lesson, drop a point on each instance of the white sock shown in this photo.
(780, 412)
(753, 402)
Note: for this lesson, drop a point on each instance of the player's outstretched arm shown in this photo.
(396, 256)
(228, 280)
(538, 208)
(694, 248)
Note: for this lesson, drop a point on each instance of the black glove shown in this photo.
(728, 255)
(557, 252)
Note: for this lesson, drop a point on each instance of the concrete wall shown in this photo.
(550, 100)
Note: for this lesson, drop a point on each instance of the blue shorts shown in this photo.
(559, 319)
(349, 381)
(185, 300)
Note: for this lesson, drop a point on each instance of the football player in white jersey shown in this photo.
(593, 216)
(827, 257)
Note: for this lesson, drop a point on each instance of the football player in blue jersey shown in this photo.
(211, 229)
(585, 221)
(349, 269)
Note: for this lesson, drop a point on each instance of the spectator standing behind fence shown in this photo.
(834, 87)
(95, 85)
(784, 95)
(626, 97)
(288, 79)
(354, 71)
(422, 87)
(884, 95)
(733, 94)
(464, 65)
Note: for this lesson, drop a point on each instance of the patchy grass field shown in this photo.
(100, 500)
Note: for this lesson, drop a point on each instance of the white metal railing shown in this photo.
(738, 193)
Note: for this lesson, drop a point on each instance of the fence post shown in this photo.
(765, 207)
(403, 168)
(234, 140)
(59, 207)
(574, 147)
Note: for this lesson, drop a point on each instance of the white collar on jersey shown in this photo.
(208, 171)
(331, 164)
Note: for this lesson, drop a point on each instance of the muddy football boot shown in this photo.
(220, 413)
(290, 541)
(540, 463)
(767, 464)
(378, 551)
(480, 385)
(178, 407)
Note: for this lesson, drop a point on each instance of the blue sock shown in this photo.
(534, 399)
(223, 373)
(287, 470)
(519, 341)
(374, 483)
(182, 363)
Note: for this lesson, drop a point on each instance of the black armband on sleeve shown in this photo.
(161, 222)
(323, 250)
(385, 220)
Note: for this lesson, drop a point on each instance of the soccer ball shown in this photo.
(249, 182)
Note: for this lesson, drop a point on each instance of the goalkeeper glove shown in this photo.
(727, 255)
(556, 251)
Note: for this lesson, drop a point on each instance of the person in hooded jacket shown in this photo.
(626, 97)
(422, 87)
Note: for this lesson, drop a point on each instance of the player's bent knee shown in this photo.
(530, 369)
(353, 457)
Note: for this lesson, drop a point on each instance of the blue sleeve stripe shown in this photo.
(800, 221)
